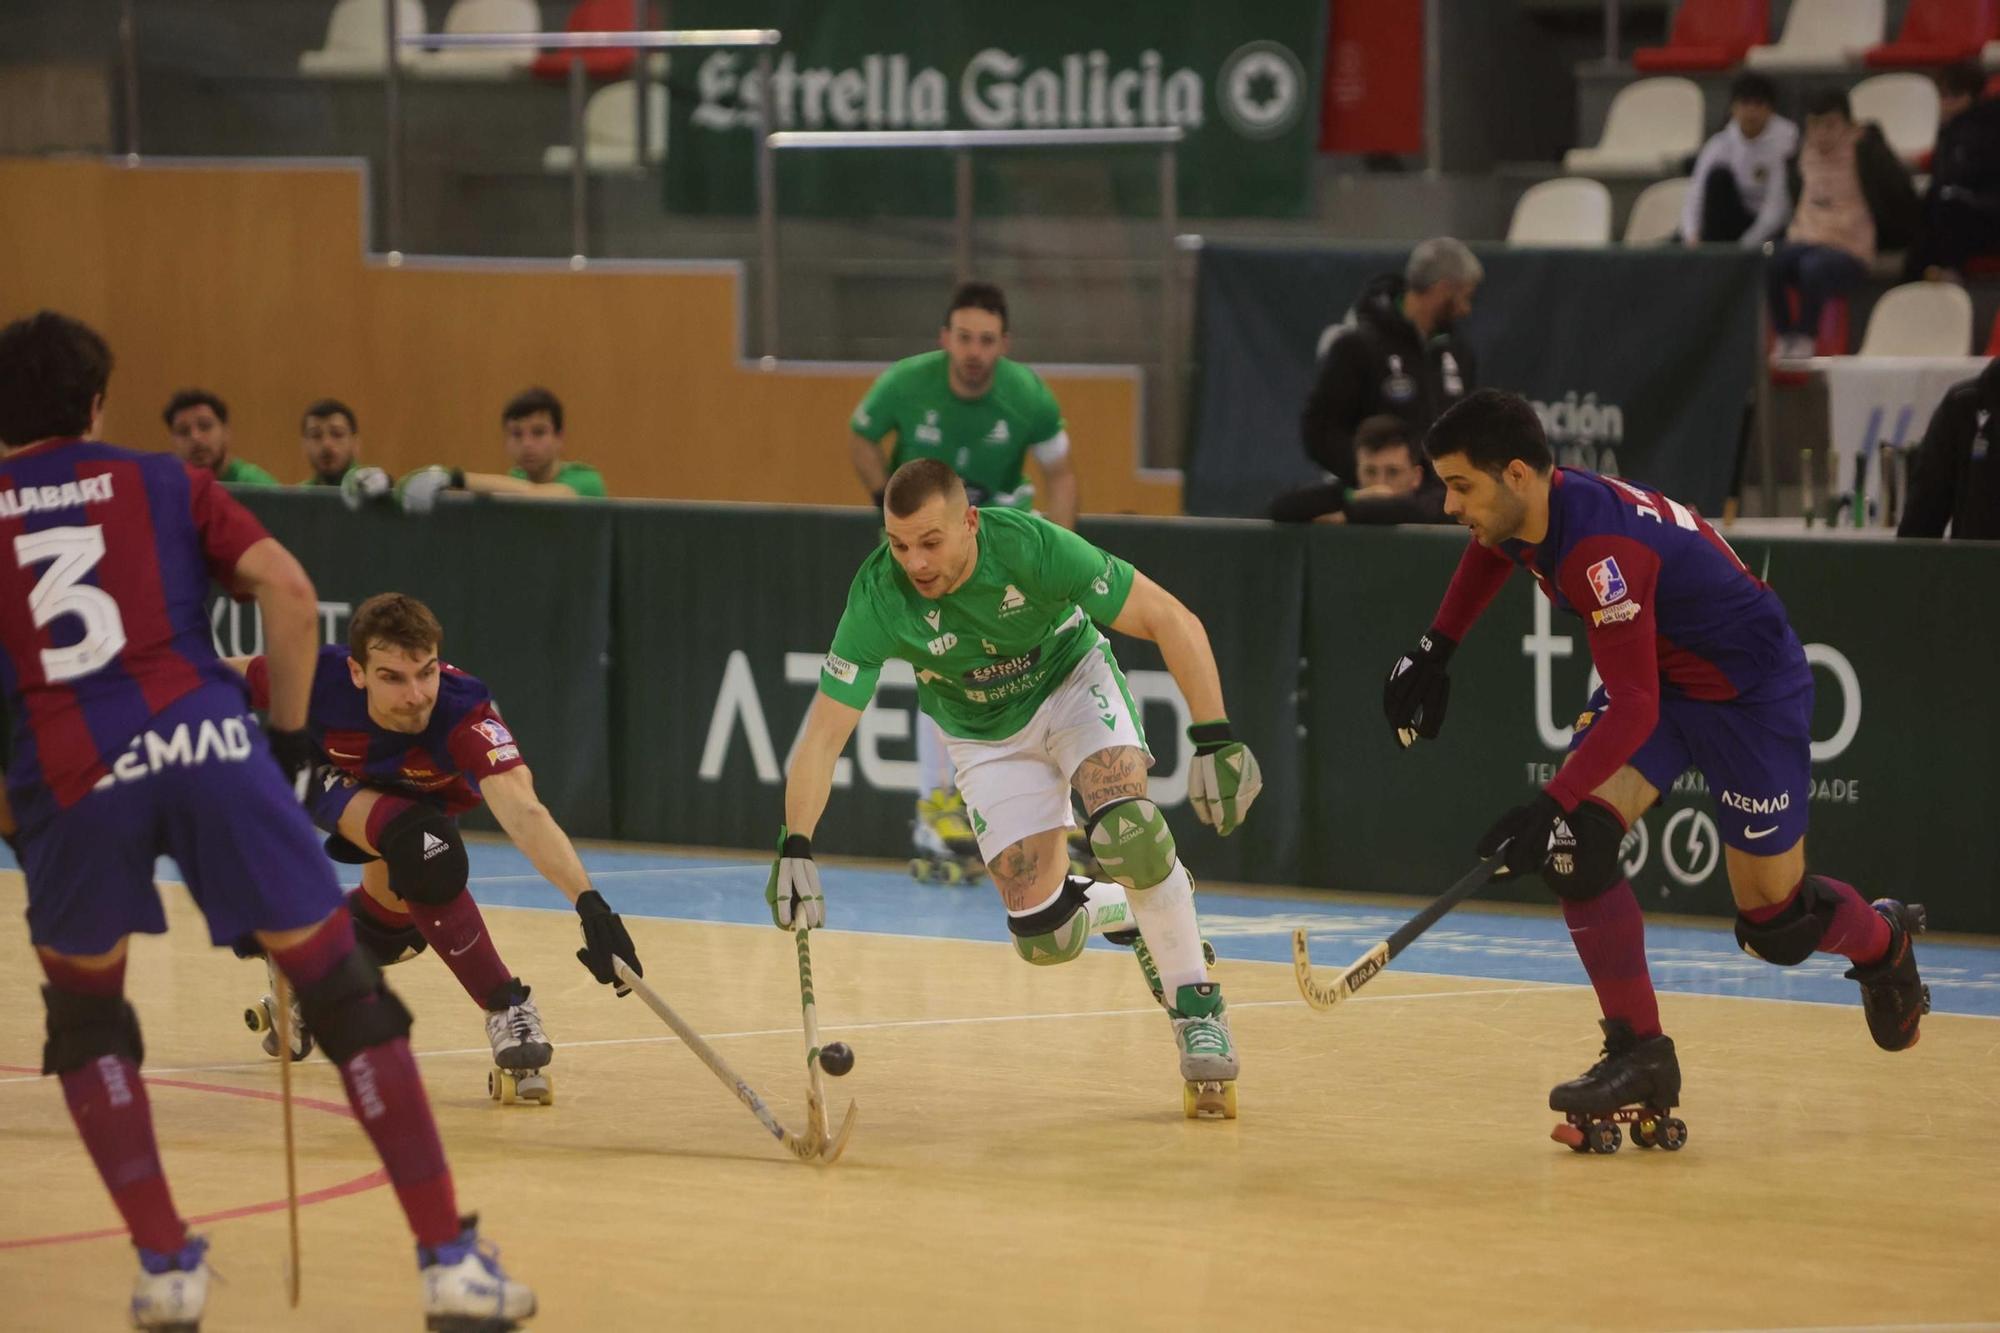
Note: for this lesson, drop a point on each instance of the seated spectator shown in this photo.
(1853, 196)
(1960, 215)
(1396, 353)
(1737, 187)
(1395, 483)
(1955, 477)
(198, 425)
(532, 429)
(331, 441)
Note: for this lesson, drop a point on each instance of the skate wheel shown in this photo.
(1673, 1134)
(1604, 1137)
(1208, 953)
(1209, 1101)
(1570, 1137)
(496, 1086)
(257, 1018)
(1644, 1131)
(535, 1088)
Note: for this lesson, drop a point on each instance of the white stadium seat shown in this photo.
(608, 126)
(1920, 319)
(1656, 213)
(1569, 210)
(357, 36)
(1904, 105)
(1823, 34)
(1652, 127)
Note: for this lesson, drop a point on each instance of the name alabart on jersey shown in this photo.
(41, 499)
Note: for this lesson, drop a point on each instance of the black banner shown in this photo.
(1639, 361)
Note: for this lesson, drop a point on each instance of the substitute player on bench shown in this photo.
(413, 744)
(1700, 668)
(995, 609)
(132, 741)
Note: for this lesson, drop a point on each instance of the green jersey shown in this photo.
(240, 472)
(987, 655)
(317, 480)
(985, 439)
(582, 478)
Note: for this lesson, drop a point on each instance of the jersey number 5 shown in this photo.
(61, 591)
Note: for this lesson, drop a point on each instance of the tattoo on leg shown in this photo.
(1114, 774)
(1015, 871)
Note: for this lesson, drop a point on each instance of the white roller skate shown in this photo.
(945, 849)
(521, 1049)
(465, 1290)
(171, 1293)
(263, 1017)
(1208, 1056)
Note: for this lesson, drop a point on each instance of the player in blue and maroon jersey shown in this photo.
(133, 741)
(413, 744)
(1701, 669)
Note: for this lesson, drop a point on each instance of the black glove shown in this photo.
(298, 754)
(604, 938)
(1415, 695)
(1525, 832)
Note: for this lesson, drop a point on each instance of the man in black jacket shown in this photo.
(1961, 208)
(1395, 353)
(1956, 476)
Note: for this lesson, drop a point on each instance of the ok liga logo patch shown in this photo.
(1606, 580)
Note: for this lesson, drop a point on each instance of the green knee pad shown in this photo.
(1056, 933)
(1131, 840)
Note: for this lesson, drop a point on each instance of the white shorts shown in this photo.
(1018, 787)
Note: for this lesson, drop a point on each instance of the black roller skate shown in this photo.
(1636, 1083)
(1893, 996)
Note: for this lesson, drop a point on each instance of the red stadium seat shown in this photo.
(1939, 32)
(1993, 337)
(595, 16)
(1830, 340)
(1708, 34)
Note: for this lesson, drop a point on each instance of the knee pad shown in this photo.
(426, 856)
(350, 1010)
(1132, 842)
(1793, 935)
(83, 1028)
(1583, 858)
(385, 944)
(340, 849)
(1056, 933)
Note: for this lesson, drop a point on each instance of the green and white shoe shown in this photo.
(1201, 1030)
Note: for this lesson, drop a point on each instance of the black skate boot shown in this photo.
(1893, 996)
(1636, 1083)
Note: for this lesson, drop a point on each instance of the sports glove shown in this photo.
(1525, 832)
(1418, 689)
(418, 491)
(298, 755)
(1223, 779)
(605, 938)
(364, 485)
(792, 891)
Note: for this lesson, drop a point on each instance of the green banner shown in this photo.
(1899, 736)
(1241, 80)
(523, 591)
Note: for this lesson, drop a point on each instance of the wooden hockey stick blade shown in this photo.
(1324, 995)
(831, 1151)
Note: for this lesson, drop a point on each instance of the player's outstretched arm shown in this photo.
(528, 823)
(792, 891)
(868, 465)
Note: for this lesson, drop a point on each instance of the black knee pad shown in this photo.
(426, 856)
(1793, 935)
(347, 853)
(350, 1010)
(83, 1028)
(385, 944)
(1584, 863)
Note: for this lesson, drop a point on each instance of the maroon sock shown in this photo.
(107, 1100)
(458, 934)
(1609, 932)
(385, 809)
(1858, 932)
(387, 1095)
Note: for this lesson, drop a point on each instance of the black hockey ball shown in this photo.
(836, 1058)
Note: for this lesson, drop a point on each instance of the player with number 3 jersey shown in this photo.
(1701, 669)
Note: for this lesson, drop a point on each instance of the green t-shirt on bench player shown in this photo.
(585, 480)
(985, 439)
(989, 654)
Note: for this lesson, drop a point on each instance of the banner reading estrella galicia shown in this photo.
(1241, 80)
(1639, 362)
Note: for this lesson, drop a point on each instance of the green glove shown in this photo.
(1224, 778)
(792, 892)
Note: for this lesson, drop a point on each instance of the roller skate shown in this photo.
(1208, 1057)
(1636, 1083)
(1893, 996)
(946, 850)
(521, 1050)
(263, 1017)
(465, 1290)
(171, 1293)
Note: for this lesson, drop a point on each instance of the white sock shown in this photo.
(1110, 907)
(934, 769)
(1166, 919)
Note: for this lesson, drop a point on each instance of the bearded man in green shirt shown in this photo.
(198, 426)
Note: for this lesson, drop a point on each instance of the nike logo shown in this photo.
(467, 945)
(1760, 832)
(336, 754)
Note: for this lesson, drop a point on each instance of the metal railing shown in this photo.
(645, 40)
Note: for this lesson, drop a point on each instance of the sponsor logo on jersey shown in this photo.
(928, 434)
(932, 618)
(999, 433)
(1100, 586)
(186, 746)
(942, 644)
(494, 732)
(1012, 601)
(69, 495)
(1006, 669)
(840, 669)
(1615, 615)
(503, 754)
(1606, 580)
(1757, 805)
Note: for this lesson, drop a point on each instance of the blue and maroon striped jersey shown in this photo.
(105, 560)
(464, 743)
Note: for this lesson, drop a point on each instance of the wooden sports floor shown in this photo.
(1021, 1160)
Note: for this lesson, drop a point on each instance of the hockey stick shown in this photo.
(281, 987)
(805, 1147)
(1325, 995)
(831, 1145)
